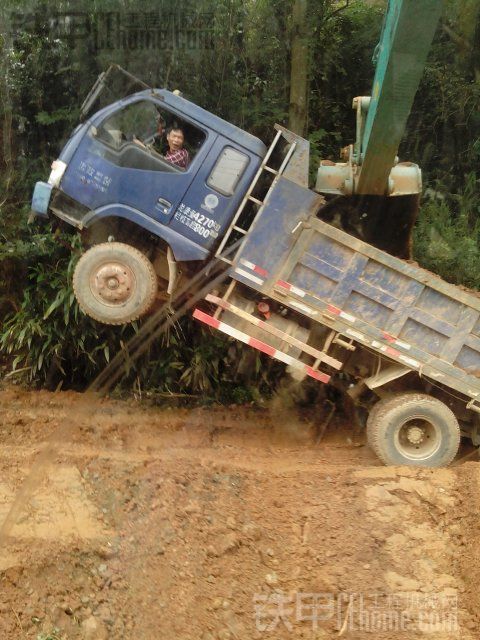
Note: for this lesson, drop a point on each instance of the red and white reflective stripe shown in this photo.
(303, 307)
(340, 313)
(249, 276)
(396, 341)
(254, 267)
(356, 334)
(313, 373)
(291, 287)
(269, 328)
(261, 346)
(410, 361)
(390, 351)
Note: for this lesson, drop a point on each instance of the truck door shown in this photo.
(214, 195)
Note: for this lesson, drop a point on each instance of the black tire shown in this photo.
(114, 283)
(374, 410)
(413, 429)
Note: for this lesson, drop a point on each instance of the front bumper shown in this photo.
(41, 199)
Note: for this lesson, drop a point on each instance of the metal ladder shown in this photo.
(249, 198)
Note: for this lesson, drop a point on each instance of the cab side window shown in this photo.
(227, 171)
(136, 137)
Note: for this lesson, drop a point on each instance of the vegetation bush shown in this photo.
(447, 234)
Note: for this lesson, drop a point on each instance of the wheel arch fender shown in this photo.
(183, 248)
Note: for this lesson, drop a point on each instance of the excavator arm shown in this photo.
(370, 176)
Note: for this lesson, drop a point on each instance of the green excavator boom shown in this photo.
(406, 38)
(376, 196)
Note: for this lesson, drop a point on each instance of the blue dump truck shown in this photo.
(304, 285)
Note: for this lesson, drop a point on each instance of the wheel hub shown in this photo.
(112, 283)
(418, 438)
(415, 435)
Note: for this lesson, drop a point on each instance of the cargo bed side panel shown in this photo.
(387, 304)
(388, 295)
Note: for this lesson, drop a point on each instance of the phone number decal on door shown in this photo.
(201, 224)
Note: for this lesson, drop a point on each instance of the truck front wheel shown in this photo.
(114, 283)
(413, 429)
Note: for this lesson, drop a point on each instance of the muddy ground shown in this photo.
(127, 522)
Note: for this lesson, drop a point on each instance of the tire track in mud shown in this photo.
(240, 458)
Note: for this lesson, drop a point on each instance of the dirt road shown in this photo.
(126, 522)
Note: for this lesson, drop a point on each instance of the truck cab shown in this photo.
(114, 182)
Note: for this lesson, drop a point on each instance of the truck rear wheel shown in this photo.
(413, 429)
(114, 283)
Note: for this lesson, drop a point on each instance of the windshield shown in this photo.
(111, 85)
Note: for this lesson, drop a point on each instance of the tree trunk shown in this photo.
(298, 109)
(6, 161)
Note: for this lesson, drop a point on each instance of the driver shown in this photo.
(176, 153)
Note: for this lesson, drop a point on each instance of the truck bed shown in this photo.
(386, 304)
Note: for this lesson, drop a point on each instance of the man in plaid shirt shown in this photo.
(176, 154)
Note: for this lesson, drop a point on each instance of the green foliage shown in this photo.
(192, 360)
(37, 113)
(447, 235)
(443, 131)
(48, 338)
(341, 68)
(54, 117)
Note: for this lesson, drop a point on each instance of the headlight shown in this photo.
(58, 169)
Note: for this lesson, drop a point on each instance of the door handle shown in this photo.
(164, 206)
